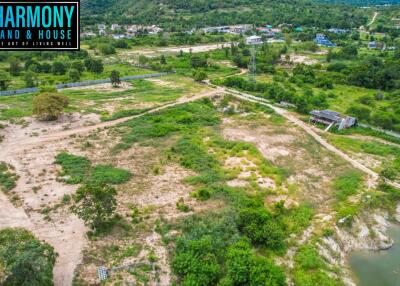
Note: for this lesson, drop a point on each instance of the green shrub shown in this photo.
(347, 184)
(245, 268)
(26, 261)
(200, 251)
(75, 168)
(261, 228)
(66, 199)
(347, 213)
(106, 174)
(185, 117)
(310, 269)
(202, 194)
(308, 258)
(298, 218)
(8, 178)
(193, 154)
(95, 204)
(49, 106)
(180, 205)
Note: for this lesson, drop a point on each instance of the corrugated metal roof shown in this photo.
(327, 114)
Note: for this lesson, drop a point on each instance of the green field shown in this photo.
(139, 95)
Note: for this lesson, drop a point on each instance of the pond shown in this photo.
(378, 268)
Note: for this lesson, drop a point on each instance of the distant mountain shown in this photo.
(186, 14)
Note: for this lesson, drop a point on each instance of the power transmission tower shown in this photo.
(252, 64)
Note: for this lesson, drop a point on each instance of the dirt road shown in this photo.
(373, 19)
(374, 176)
(31, 156)
(153, 52)
(38, 188)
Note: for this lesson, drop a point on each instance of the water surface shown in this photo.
(378, 268)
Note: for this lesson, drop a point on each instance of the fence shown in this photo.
(392, 133)
(99, 81)
(19, 91)
(82, 83)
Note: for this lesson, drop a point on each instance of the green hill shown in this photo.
(183, 14)
(364, 2)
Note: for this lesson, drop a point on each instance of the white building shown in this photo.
(154, 29)
(88, 34)
(119, 36)
(253, 40)
(114, 27)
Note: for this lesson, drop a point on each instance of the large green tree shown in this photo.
(48, 106)
(25, 260)
(4, 80)
(115, 78)
(95, 204)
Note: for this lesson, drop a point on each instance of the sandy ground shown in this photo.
(31, 150)
(313, 132)
(300, 59)
(104, 87)
(153, 52)
(36, 189)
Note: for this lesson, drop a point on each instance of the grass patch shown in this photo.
(347, 184)
(298, 219)
(184, 118)
(310, 269)
(77, 169)
(366, 132)
(108, 174)
(389, 155)
(74, 168)
(244, 226)
(8, 178)
(124, 113)
(25, 259)
(369, 147)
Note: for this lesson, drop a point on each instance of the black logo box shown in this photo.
(36, 44)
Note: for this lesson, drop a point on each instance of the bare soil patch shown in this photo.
(104, 87)
(300, 59)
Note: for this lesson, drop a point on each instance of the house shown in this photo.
(322, 40)
(102, 29)
(372, 45)
(132, 28)
(240, 29)
(253, 40)
(338, 31)
(221, 29)
(332, 118)
(119, 36)
(154, 30)
(269, 31)
(88, 34)
(115, 27)
(235, 29)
